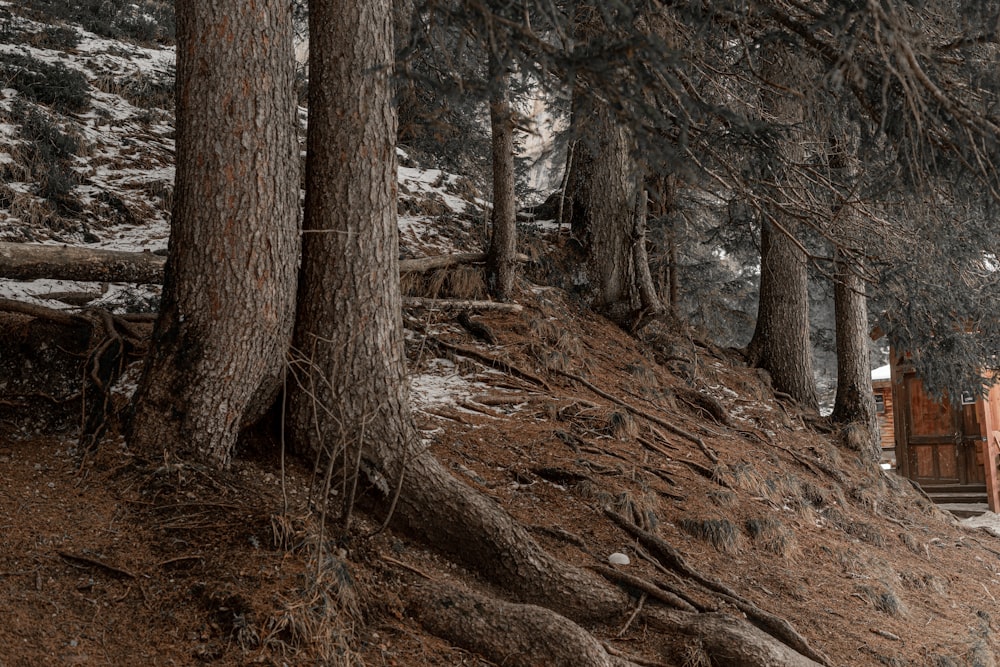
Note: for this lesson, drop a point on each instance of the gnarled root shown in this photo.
(729, 641)
(516, 635)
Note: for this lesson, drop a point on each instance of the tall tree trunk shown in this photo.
(225, 318)
(649, 300)
(600, 193)
(780, 342)
(350, 397)
(855, 402)
(501, 264)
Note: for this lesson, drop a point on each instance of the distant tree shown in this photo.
(501, 262)
(225, 316)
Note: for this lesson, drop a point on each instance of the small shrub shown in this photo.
(53, 84)
(50, 37)
(48, 150)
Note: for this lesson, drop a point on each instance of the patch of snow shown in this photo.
(441, 385)
(881, 373)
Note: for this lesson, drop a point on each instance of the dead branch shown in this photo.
(97, 563)
(29, 261)
(491, 361)
(40, 312)
(642, 413)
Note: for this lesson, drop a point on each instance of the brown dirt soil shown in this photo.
(109, 560)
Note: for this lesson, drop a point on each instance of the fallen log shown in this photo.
(423, 264)
(32, 261)
(29, 261)
(460, 304)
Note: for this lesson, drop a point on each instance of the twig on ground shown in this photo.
(406, 566)
(97, 563)
(646, 587)
(635, 612)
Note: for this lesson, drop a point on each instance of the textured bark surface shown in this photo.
(600, 194)
(516, 635)
(501, 263)
(855, 401)
(726, 640)
(225, 319)
(780, 342)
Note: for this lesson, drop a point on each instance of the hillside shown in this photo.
(581, 432)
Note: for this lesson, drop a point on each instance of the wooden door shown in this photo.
(943, 444)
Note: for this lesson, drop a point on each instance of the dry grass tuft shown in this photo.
(885, 600)
(642, 511)
(622, 426)
(771, 535)
(694, 655)
(720, 533)
(722, 497)
(455, 282)
(740, 475)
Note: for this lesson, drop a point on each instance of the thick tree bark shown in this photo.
(855, 401)
(501, 263)
(225, 319)
(780, 342)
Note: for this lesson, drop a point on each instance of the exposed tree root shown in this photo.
(775, 626)
(489, 540)
(493, 362)
(515, 635)
(646, 587)
(729, 641)
(676, 430)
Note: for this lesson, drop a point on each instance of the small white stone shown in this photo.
(618, 558)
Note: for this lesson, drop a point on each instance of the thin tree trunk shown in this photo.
(649, 301)
(855, 402)
(225, 319)
(501, 264)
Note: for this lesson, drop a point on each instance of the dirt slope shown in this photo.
(110, 560)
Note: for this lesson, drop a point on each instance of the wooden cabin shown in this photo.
(882, 387)
(950, 450)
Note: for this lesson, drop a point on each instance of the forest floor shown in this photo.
(107, 559)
